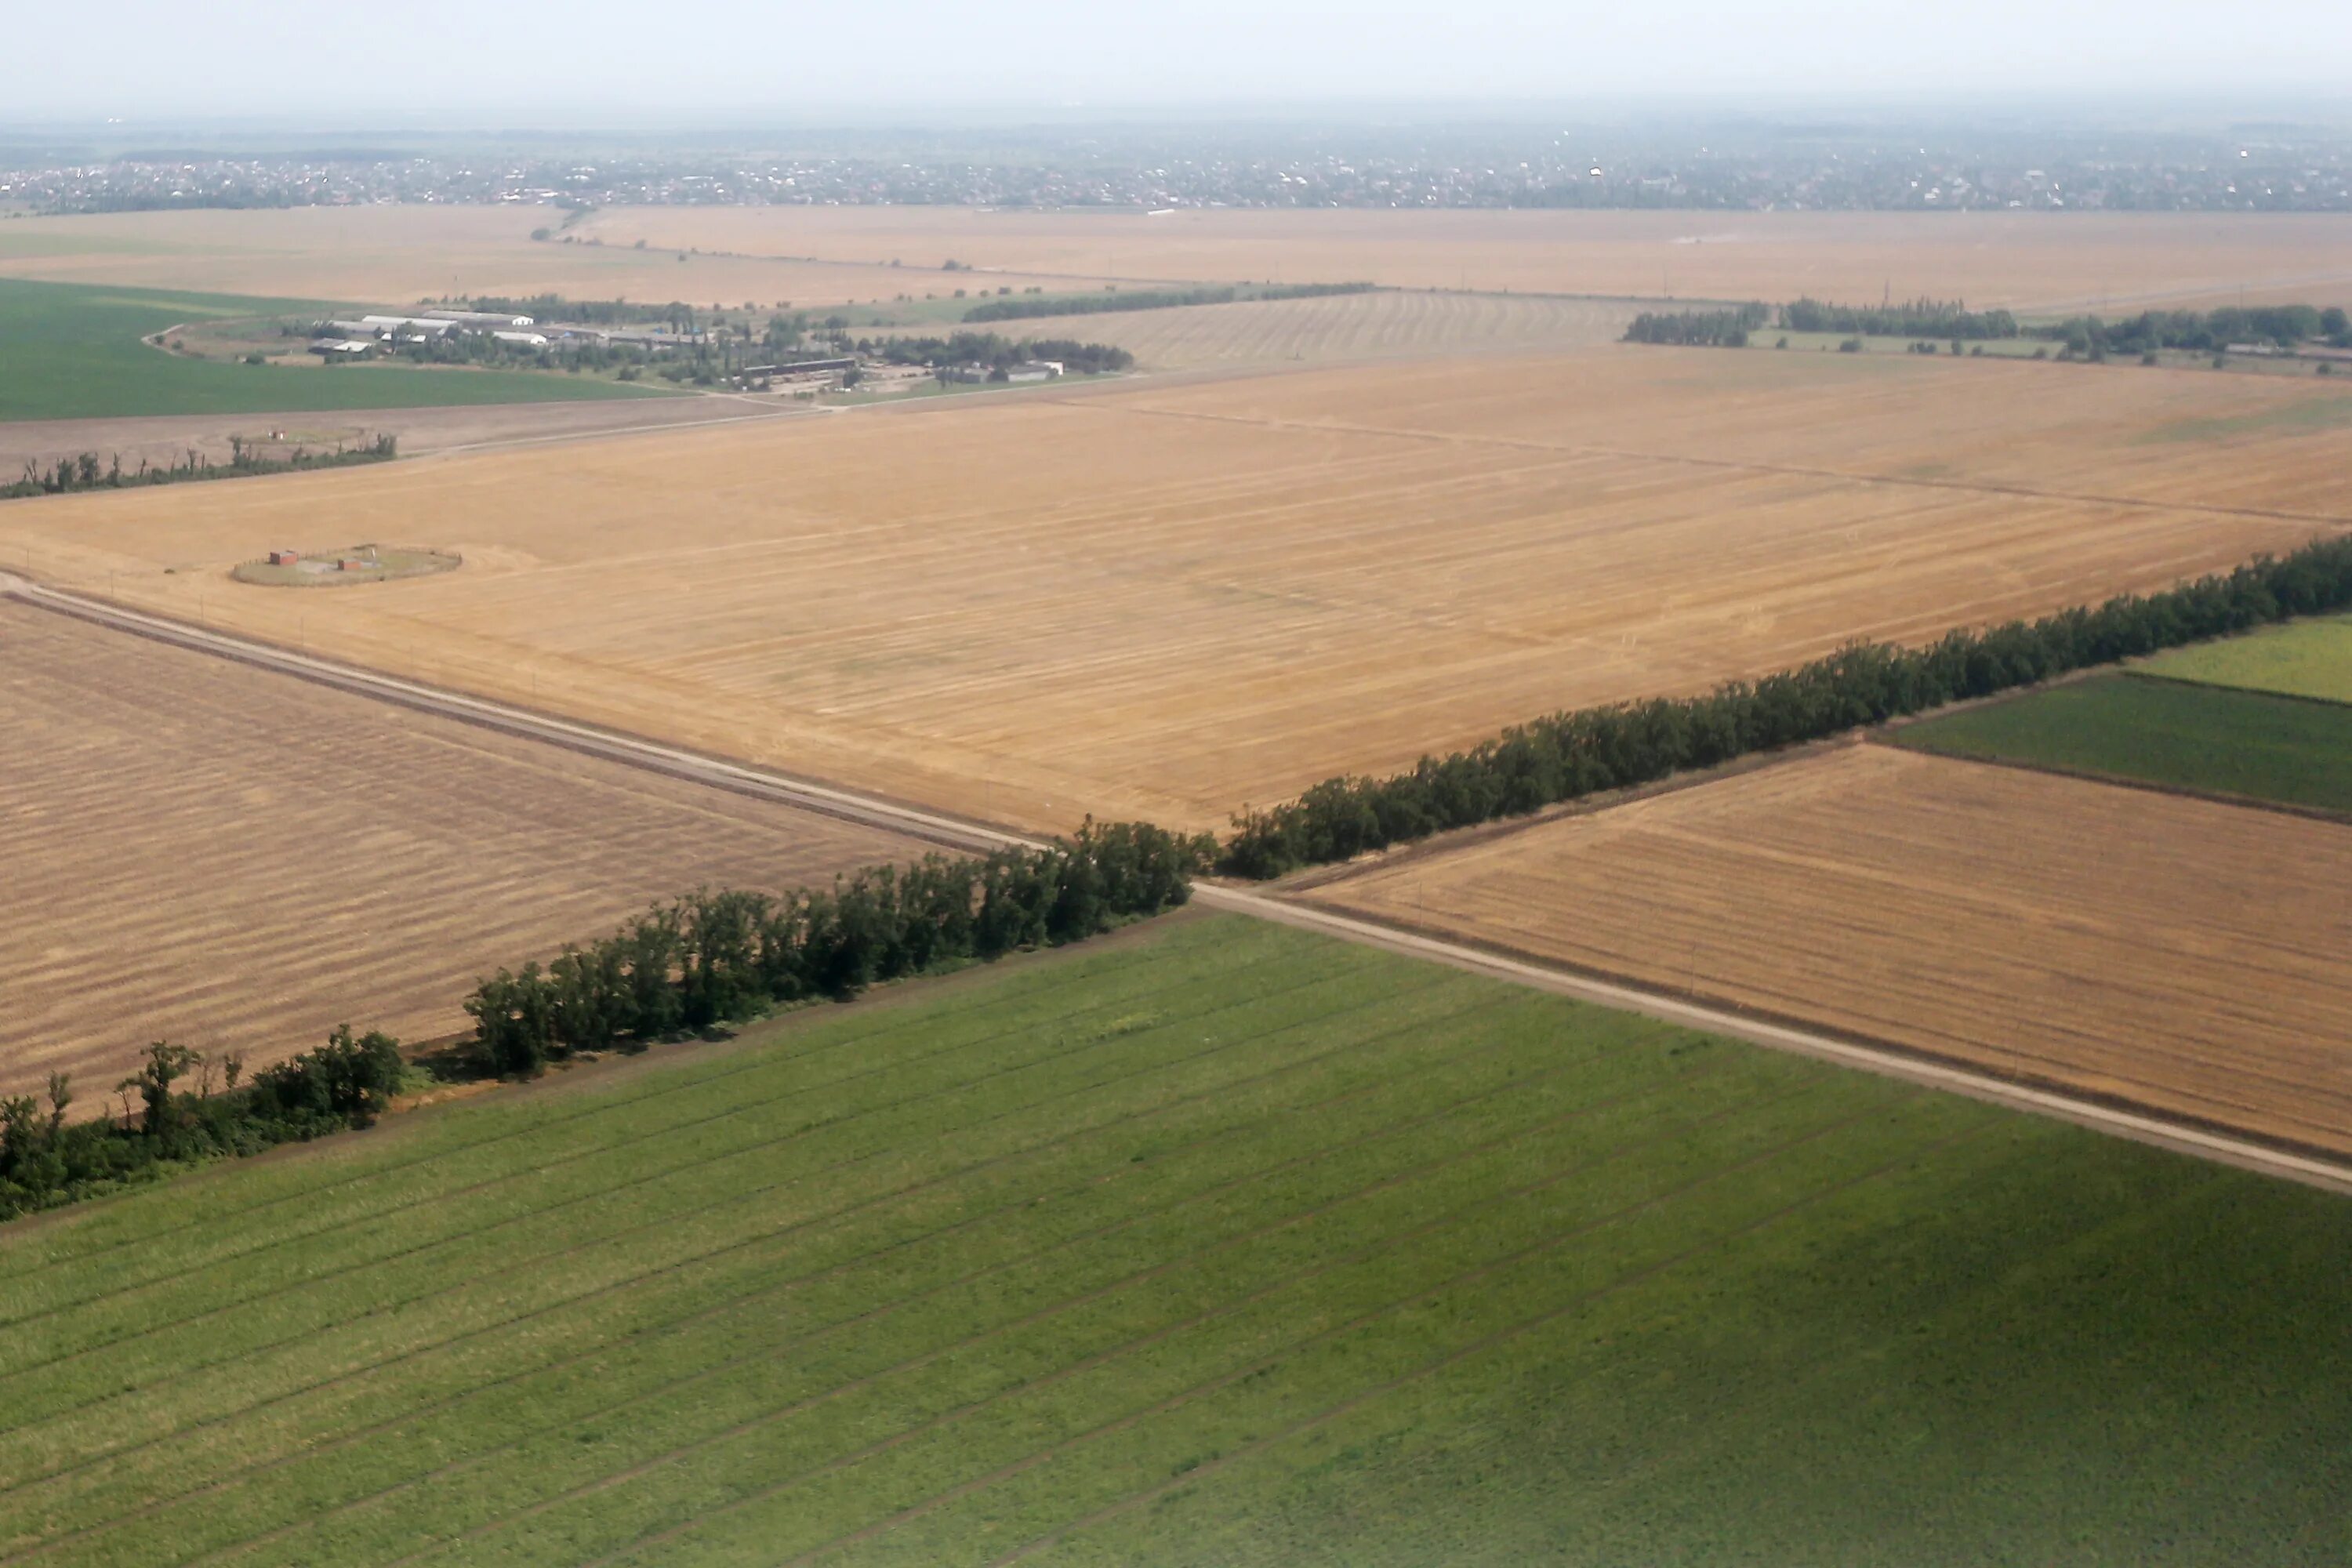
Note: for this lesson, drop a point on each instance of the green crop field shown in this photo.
(73, 351)
(2208, 739)
(2306, 658)
(1218, 1243)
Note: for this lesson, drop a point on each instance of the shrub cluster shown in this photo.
(2276, 326)
(712, 958)
(1571, 754)
(1703, 328)
(997, 353)
(46, 1161)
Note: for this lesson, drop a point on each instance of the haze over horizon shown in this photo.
(607, 62)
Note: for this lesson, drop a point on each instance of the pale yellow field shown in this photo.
(819, 255)
(2174, 953)
(398, 254)
(236, 860)
(1392, 324)
(2025, 260)
(1168, 601)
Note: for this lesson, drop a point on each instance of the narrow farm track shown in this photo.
(2179, 958)
(1393, 935)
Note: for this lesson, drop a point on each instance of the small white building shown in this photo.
(482, 321)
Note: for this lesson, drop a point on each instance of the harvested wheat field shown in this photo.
(1165, 602)
(2181, 955)
(233, 859)
(393, 255)
(1391, 324)
(2047, 261)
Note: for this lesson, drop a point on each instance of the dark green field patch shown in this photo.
(70, 351)
(2206, 739)
(1221, 1244)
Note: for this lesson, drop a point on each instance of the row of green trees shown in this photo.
(1576, 753)
(1149, 300)
(701, 961)
(1726, 328)
(84, 471)
(994, 352)
(183, 1105)
(1914, 318)
(2273, 326)
(719, 957)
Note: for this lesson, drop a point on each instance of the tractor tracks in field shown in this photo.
(967, 835)
(1729, 465)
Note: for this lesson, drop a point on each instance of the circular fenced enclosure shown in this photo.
(344, 567)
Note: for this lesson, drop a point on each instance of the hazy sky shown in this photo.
(584, 62)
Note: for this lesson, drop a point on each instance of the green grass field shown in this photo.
(2307, 659)
(71, 352)
(1218, 1243)
(2208, 739)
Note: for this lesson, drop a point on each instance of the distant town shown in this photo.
(1740, 167)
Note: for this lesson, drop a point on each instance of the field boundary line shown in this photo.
(2224, 798)
(867, 810)
(2180, 1135)
(2160, 679)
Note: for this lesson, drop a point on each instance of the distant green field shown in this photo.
(71, 352)
(2306, 658)
(1224, 1243)
(2209, 739)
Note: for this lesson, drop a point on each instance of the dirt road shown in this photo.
(966, 834)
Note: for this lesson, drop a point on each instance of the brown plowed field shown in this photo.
(2024, 260)
(1168, 601)
(202, 852)
(1391, 324)
(2175, 953)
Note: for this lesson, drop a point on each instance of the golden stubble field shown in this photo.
(2174, 953)
(398, 255)
(233, 859)
(1170, 600)
(817, 256)
(1391, 324)
(2024, 260)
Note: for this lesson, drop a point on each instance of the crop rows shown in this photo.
(2181, 955)
(1036, 1263)
(237, 861)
